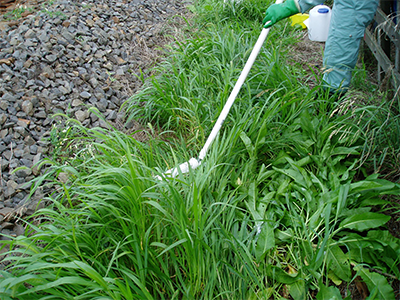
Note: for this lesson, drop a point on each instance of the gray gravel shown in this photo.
(65, 58)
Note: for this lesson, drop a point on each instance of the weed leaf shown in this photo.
(372, 185)
(364, 221)
(376, 281)
(328, 293)
(281, 276)
(298, 290)
(247, 142)
(266, 240)
(338, 263)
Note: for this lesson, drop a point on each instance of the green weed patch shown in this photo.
(283, 206)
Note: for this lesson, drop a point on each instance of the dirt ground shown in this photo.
(27, 7)
(309, 55)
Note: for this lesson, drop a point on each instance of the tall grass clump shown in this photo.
(115, 232)
(200, 72)
(379, 109)
(282, 206)
(275, 209)
(381, 151)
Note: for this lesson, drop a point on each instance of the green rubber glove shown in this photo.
(277, 12)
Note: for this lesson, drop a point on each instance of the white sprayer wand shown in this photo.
(234, 93)
(193, 162)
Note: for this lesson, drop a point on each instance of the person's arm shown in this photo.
(277, 12)
(307, 4)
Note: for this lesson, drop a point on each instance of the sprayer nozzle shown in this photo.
(193, 163)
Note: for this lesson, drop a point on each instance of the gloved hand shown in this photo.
(277, 12)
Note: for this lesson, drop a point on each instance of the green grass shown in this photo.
(284, 205)
(16, 13)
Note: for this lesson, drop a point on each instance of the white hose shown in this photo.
(193, 162)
